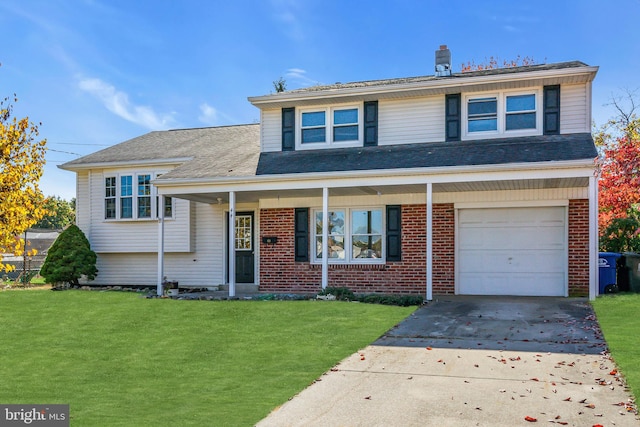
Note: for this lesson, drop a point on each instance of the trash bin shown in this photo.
(632, 262)
(607, 272)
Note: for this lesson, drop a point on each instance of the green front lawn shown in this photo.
(619, 318)
(122, 360)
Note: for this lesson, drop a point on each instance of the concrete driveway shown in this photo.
(473, 361)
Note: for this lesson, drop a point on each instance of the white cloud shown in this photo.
(286, 11)
(299, 76)
(208, 114)
(118, 103)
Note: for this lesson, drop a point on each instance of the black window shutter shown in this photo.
(371, 123)
(551, 107)
(288, 129)
(301, 234)
(452, 117)
(394, 233)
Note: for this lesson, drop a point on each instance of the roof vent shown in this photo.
(443, 61)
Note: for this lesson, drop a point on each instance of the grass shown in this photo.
(619, 318)
(122, 360)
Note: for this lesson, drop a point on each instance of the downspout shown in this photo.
(160, 278)
(325, 237)
(593, 238)
(429, 241)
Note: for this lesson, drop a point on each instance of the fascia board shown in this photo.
(457, 82)
(564, 169)
(128, 163)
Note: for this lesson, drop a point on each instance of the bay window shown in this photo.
(126, 196)
(144, 196)
(110, 197)
(121, 203)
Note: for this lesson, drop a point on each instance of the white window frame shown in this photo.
(154, 197)
(348, 235)
(501, 98)
(329, 126)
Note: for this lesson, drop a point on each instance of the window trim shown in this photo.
(134, 196)
(501, 98)
(348, 236)
(329, 127)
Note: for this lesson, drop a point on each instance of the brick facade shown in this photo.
(578, 247)
(280, 273)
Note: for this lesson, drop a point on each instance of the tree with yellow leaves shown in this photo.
(21, 166)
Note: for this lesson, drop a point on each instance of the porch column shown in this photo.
(593, 237)
(160, 279)
(232, 244)
(429, 241)
(325, 237)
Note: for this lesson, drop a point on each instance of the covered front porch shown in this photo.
(433, 254)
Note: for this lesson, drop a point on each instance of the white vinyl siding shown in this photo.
(134, 236)
(271, 130)
(410, 121)
(575, 109)
(83, 202)
(203, 267)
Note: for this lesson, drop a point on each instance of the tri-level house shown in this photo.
(475, 183)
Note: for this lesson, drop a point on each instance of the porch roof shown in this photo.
(533, 149)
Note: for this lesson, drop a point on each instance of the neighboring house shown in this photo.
(478, 183)
(38, 239)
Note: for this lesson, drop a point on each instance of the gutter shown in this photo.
(588, 165)
(105, 165)
(442, 83)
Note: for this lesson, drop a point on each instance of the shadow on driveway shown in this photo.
(538, 324)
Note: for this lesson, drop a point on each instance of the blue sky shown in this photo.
(99, 72)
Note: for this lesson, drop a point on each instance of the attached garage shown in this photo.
(512, 251)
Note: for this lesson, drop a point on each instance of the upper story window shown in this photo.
(355, 235)
(331, 125)
(120, 202)
(515, 113)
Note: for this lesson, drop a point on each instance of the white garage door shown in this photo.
(512, 251)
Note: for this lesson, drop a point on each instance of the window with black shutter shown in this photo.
(552, 110)
(301, 234)
(394, 233)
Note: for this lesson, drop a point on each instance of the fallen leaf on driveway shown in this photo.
(530, 419)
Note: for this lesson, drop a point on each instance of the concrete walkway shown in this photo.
(481, 361)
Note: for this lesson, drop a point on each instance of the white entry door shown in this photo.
(512, 251)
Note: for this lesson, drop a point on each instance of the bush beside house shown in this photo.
(69, 259)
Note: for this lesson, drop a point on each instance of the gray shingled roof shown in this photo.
(426, 155)
(216, 151)
(418, 79)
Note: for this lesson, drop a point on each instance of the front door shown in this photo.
(243, 243)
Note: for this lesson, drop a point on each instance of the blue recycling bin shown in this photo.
(607, 272)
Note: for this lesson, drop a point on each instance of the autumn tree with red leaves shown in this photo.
(619, 184)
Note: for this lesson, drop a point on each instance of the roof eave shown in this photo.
(105, 165)
(586, 164)
(418, 88)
